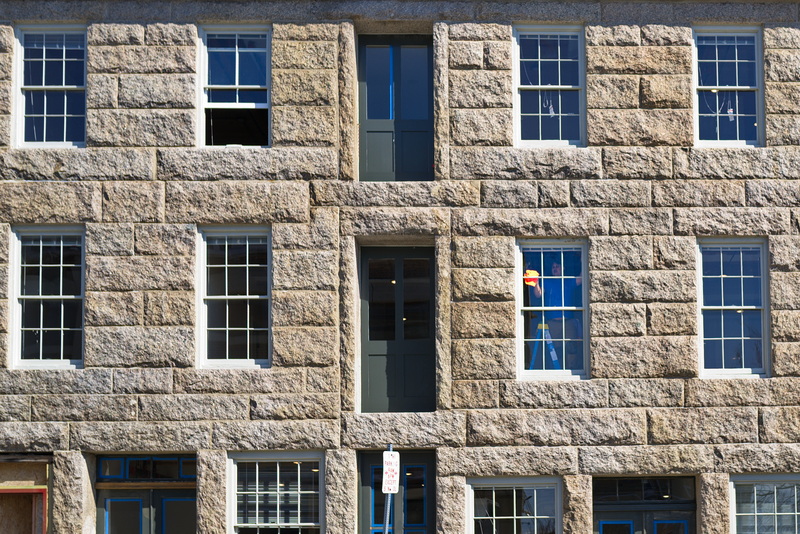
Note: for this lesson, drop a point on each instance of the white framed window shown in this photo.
(47, 292)
(234, 322)
(733, 307)
(765, 504)
(549, 74)
(552, 326)
(235, 69)
(51, 81)
(529, 505)
(276, 493)
(729, 86)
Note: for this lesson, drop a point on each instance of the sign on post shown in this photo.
(391, 471)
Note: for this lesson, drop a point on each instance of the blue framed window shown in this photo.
(142, 468)
(616, 527)
(515, 506)
(656, 505)
(123, 516)
(670, 527)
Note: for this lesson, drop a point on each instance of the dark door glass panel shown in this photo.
(180, 516)
(382, 285)
(414, 82)
(616, 528)
(124, 516)
(378, 69)
(417, 293)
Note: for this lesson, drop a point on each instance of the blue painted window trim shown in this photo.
(604, 523)
(405, 495)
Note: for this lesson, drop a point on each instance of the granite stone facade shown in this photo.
(639, 195)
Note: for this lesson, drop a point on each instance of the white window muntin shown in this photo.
(249, 298)
(38, 311)
(542, 498)
(300, 460)
(206, 91)
(731, 104)
(763, 500)
(753, 299)
(550, 94)
(52, 104)
(579, 311)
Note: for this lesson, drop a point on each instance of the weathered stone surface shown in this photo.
(480, 89)
(395, 194)
(304, 31)
(394, 221)
(769, 193)
(671, 319)
(466, 31)
(539, 223)
(666, 35)
(163, 308)
(782, 129)
(786, 359)
(33, 437)
(465, 54)
(778, 98)
(483, 285)
(157, 127)
(637, 221)
(163, 91)
(304, 126)
(238, 381)
(557, 12)
(307, 87)
(609, 320)
(675, 252)
(6, 38)
(165, 239)
(114, 34)
(644, 357)
(475, 394)
(211, 491)
(301, 347)
(404, 430)
(610, 193)
(506, 461)
(236, 202)
(554, 394)
(303, 54)
(483, 252)
(136, 273)
(497, 55)
(483, 320)
(112, 309)
(15, 408)
(102, 91)
(783, 253)
(6, 92)
(485, 127)
(109, 239)
(484, 359)
(737, 163)
(616, 35)
(781, 36)
(714, 505)
(577, 515)
(553, 194)
(323, 380)
(781, 66)
(610, 91)
(731, 221)
(141, 59)
(139, 436)
(134, 346)
(167, 34)
(55, 203)
(193, 407)
(620, 253)
(638, 60)
(785, 324)
(321, 233)
(501, 163)
(643, 286)
(304, 308)
(637, 162)
(339, 468)
(702, 425)
(41, 381)
(133, 202)
(299, 269)
(785, 291)
(83, 408)
(72, 497)
(142, 380)
(758, 458)
(634, 392)
(666, 91)
(556, 427)
(659, 460)
(737, 392)
(276, 435)
(307, 406)
(496, 194)
(650, 127)
(780, 424)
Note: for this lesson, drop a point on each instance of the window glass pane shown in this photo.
(529, 73)
(124, 516)
(180, 516)
(221, 68)
(528, 47)
(378, 69)
(382, 285)
(252, 68)
(414, 82)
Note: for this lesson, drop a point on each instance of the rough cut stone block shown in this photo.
(671, 319)
(114, 34)
(83, 408)
(236, 202)
(737, 392)
(6, 91)
(637, 162)
(639, 127)
(165, 239)
(170, 34)
(506, 461)
(484, 359)
(303, 54)
(737, 163)
(15, 408)
(137, 273)
(55, 203)
(163, 308)
(305, 87)
(323, 380)
(576, 427)
(321, 233)
(483, 320)
(275, 435)
(610, 91)
(553, 194)
(404, 430)
(139, 436)
(689, 193)
(304, 31)
(6, 38)
(305, 270)
(666, 91)
(702, 425)
(783, 253)
(40, 381)
(474, 394)
(643, 286)
(69, 164)
(785, 291)
(133, 202)
(483, 285)
(554, 394)
(610, 320)
(141, 59)
(109, 239)
(610, 193)
(638, 60)
(105, 127)
(482, 127)
(304, 126)
(230, 381)
(211, 491)
(769, 193)
(394, 221)
(33, 437)
(714, 505)
(634, 392)
(304, 347)
(134, 346)
(304, 308)
(778, 97)
(782, 129)
(395, 194)
(785, 325)
(612, 253)
(781, 36)
(677, 252)
(193, 407)
(556, 12)
(731, 221)
(666, 35)
(617, 35)
(483, 252)
(143, 381)
(339, 468)
(466, 31)
(163, 91)
(779, 424)
(501, 163)
(659, 460)
(107, 309)
(497, 55)
(577, 516)
(73, 506)
(644, 357)
(466, 54)
(539, 223)
(781, 66)
(480, 89)
(102, 91)
(758, 458)
(307, 406)
(786, 359)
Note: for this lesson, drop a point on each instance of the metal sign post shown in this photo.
(391, 482)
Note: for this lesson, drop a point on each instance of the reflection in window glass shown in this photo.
(767, 508)
(501, 509)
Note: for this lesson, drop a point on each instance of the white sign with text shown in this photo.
(391, 471)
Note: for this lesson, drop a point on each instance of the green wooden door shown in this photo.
(397, 335)
(396, 107)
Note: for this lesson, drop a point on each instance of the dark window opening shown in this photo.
(249, 127)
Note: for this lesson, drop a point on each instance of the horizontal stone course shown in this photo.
(135, 346)
(554, 394)
(193, 407)
(122, 436)
(306, 406)
(141, 59)
(483, 285)
(503, 163)
(642, 460)
(636, 392)
(506, 461)
(539, 223)
(238, 381)
(275, 435)
(136, 273)
(395, 194)
(403, 430)
(702, 425)
(83, 408)
(644, 357)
